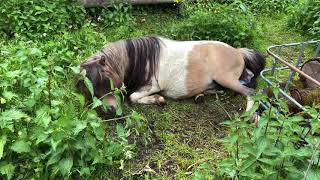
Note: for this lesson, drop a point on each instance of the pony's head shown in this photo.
(101, 77)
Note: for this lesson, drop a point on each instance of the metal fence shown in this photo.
(287, 60)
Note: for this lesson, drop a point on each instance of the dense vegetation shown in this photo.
(305, 17)
(48, 131)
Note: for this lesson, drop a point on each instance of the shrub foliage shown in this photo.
(306, 17)
(270, 6)
(280, 146)
(47, 130)
(39, 18)
(213, 21)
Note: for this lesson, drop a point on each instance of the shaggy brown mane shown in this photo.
(143, 55)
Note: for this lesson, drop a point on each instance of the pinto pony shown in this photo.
(154, 67)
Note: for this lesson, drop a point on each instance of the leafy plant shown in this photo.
(46, 128)
(305, 17)
(280, 146)
(213, 21)
(270, 6)
(35, 18)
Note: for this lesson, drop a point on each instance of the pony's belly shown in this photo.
(175, 91)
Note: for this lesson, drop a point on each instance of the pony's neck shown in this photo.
(142, 61)
(117, 59)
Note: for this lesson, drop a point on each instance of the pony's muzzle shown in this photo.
(111, 101)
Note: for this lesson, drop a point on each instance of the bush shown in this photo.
(269, 6)
(116, 15)
(305, 17)
(35, 18)
(215, 21)
(280, 146)
(47, 131)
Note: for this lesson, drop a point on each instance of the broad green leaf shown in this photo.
(247, 163)
(271, 162)
(98, 130)
(54, 158)
(120, 130)
(88, 84)
(35, 51)
(3, 141)
(137, 116)
(54, 144)
(262, 145)
(305, 152)
(294, 173)
(79, 127)
(96, 102)
(75, 69)
(97, 158)
(39, 135)
(90, 141)
(296, 119)
(231, 139)
(43, 118)
(21, 146)
(65, 166)
(12, 114)
(313, 174)
(58, 69)
(85, 171)
(7, 169)
(8, 95)
(80, 98)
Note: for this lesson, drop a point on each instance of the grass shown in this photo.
(188, 134)
(185, 133)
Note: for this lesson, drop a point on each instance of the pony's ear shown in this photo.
(102, 60)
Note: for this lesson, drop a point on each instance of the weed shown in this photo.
(277, 147)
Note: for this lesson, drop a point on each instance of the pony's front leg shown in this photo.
(144, 96)
(255, 117)
(153, 99)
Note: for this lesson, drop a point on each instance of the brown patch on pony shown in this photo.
(212, 61)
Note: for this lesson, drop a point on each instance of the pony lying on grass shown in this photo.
(153, 67)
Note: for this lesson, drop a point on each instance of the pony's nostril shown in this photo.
(112, 111)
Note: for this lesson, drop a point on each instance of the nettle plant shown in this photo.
(47, 130)
(269, 6)
(33, 18)
(305, 17)
(209, 20)
(114, 15)
(281, 146)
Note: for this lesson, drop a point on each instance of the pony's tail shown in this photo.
(254, 64)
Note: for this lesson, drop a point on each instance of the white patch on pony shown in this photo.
(173, 63)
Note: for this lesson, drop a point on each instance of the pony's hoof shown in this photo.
(199, 98)
(255, 118)
(160, 100)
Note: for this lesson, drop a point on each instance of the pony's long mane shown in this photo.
(143, 56)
